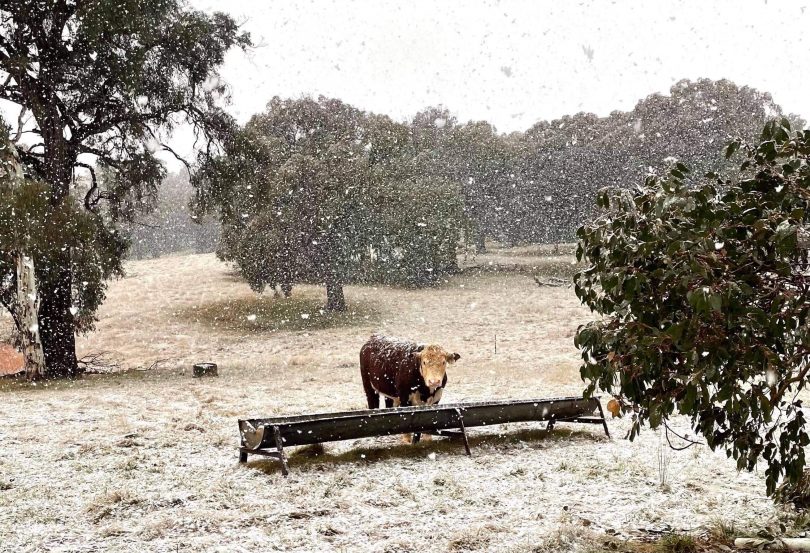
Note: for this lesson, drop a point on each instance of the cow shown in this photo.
(404, 372)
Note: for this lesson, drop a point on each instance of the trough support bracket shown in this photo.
(463, 431)
(280, 447)
(278, 454)
(583, 420)
(604, 421)
(460, 433)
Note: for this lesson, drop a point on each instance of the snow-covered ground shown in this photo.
(146, 461)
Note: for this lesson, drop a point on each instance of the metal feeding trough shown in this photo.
(268, 436)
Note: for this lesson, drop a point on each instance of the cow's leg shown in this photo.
(416, 399)
(372, 397)
(432, 400)
(389, 402)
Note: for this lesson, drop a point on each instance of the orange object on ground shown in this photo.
(11, 361)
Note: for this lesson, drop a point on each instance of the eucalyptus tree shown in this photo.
(292, 195)
(317, 191)
(99, 86)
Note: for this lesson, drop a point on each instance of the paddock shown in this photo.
(147, 460)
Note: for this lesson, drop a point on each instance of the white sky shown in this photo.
(513, 62)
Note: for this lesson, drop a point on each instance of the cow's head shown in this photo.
(433, 362)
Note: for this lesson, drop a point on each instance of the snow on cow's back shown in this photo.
(387, 346)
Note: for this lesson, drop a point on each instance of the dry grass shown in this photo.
(547, 260)
(261, 314)
(146, 460)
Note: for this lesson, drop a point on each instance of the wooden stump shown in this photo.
(205, 369)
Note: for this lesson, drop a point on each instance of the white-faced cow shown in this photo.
(404, 372)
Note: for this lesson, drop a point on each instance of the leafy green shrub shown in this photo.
(702, 289)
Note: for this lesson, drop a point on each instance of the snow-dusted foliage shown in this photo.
(704, 299)
(318, 191)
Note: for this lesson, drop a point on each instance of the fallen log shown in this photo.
(551, 281)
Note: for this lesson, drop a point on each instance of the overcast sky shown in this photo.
(512, 63)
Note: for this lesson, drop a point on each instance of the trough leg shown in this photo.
(550, 426)
(280, 447)
(604, 421)
(416, 437)
(243, 456)
(463, 431)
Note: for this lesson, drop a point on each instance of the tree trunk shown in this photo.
(28, 302)
(56, 322)
(480, 241)
(27, 297)
(335, 301)
(56, 319)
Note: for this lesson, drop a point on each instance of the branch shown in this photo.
(690, 443)
(776, 394)
(33, 159)
(100, 362)
(89, 204)
(20, 124)
(178, 157)
(169, 149)
(99, 154)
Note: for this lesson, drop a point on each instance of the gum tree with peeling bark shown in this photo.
(100, 85)
(24, 306)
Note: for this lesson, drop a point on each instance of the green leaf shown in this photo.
(768, 149)
(785, 230)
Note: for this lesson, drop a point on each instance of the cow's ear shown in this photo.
(453, 357)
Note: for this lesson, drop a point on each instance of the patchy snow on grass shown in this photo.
(147, 460)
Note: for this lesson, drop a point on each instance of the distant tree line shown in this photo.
(170, 226)
(316, 190)
(540, 185)
(558, 166)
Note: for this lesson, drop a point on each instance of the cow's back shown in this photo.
(382, 358)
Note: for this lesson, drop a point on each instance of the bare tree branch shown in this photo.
(89, 203)
(20, 124)
(178, 157)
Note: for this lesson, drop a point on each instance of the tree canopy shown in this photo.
(560, 164)
(99, 86)
(318, 191)
(703, 291)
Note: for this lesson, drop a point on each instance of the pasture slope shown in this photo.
(146, 460)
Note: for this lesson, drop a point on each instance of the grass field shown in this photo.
(145, 460)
